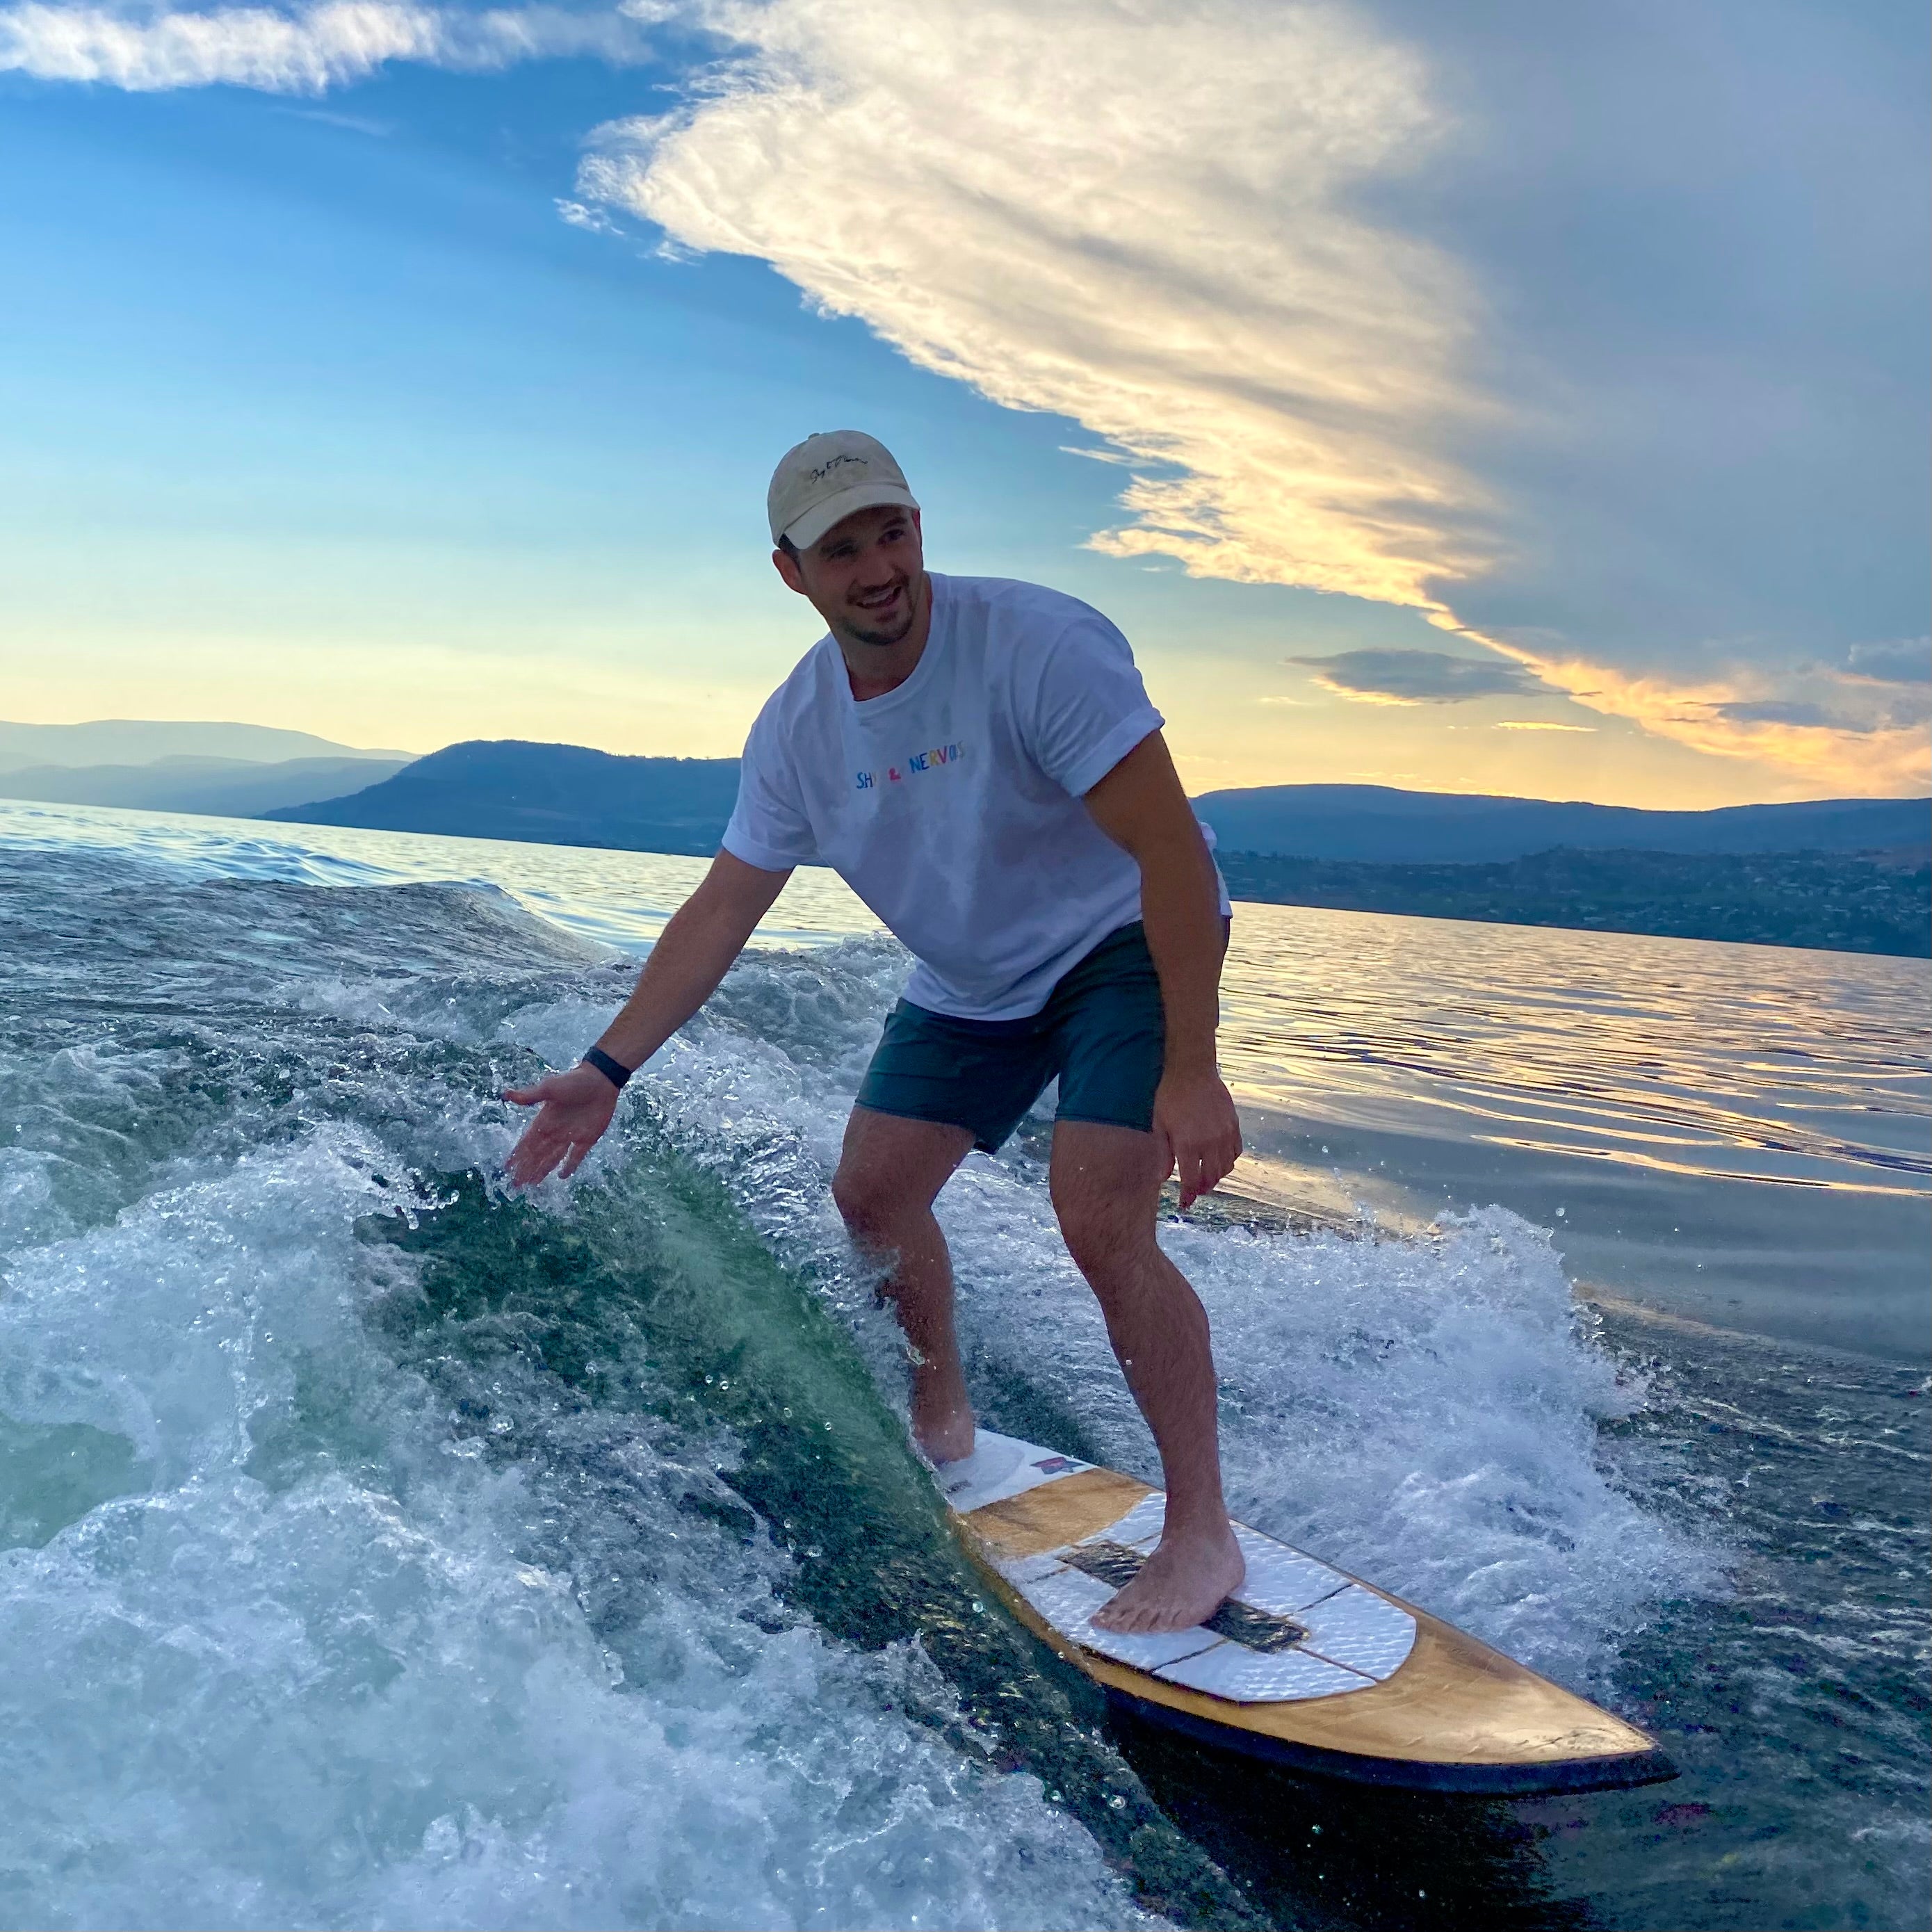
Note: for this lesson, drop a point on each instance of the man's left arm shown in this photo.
(1140, 806)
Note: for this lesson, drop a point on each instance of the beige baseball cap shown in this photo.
(827, 477)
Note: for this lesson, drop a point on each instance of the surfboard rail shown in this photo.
(1452, 1714)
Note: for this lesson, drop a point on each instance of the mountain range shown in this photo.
(568, 795)
(227, 787)
(234, 771)
(1378, 824)
(141, 741)
(1850, 874)
(554, 794)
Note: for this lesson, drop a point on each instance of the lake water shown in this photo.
(379, 1550)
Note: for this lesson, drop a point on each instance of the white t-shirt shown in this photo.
(951, 805)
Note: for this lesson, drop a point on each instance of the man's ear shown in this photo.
(786, 564)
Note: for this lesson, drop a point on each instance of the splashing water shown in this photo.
(382, 1550)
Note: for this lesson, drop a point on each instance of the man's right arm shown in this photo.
(704, 935)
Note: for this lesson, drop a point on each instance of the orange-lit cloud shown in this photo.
(1157, 222)
(1147, 219)
(1841, 732)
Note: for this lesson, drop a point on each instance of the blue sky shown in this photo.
(1527, 399)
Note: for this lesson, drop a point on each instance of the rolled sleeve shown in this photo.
(767, 858)
(769, 828)
(1088, 708)
(1083, 776)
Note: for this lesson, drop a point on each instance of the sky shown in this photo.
(1497, 397)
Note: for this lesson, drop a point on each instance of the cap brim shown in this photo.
(806, 530)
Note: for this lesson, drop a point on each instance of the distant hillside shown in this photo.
(141, 741)
(229, 787)
(1780, 875)
(1378, 824)
(554, 794)
(1846, 902)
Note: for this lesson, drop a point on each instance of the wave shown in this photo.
(386, 1551)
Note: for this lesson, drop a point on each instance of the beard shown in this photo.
(893, 630)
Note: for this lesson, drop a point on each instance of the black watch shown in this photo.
(614, 1071)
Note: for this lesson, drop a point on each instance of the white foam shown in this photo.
(332, 1686)
(325, 1686)
(1359, 1630)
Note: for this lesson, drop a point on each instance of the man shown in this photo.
(977, 758)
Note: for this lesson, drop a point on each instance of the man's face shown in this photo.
(864, 576)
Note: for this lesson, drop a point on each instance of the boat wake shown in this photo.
(386, 1550)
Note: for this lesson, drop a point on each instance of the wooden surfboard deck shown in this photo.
(1305, 1666)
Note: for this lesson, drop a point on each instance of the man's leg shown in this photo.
(1106, 1189)
(890, 1174)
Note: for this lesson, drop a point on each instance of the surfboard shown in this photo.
(1306, 1665)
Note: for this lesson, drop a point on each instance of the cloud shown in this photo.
(1603, 421)
(1849, 735)
(594, 220)
(1536, 724)
(1194, 230)
(306, 51)
(1151, 219)
(1416, 677)
(355, 124)
(1779, 711)
(1905, 660)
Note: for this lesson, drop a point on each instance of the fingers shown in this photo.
(527, 1165)
(1218, 1164)
(1206, 1163)
(535, 1155)
(1189, 1171)
(1200, 1167)
(550, 1145)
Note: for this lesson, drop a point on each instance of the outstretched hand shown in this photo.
(1198, 1133)
(573, 1110)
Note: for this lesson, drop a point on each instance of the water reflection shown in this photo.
(1681, 1056)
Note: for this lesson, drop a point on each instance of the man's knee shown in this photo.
(890, 1171)
(1106, 1183)
(863, 1196)
(1105, 1230)
(876, 1199)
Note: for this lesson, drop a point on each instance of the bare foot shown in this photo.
(1188, 1577)
(945, 1434)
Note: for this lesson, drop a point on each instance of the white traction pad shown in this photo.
(1355, 1637)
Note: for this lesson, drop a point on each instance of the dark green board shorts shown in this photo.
(1102, 1032)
